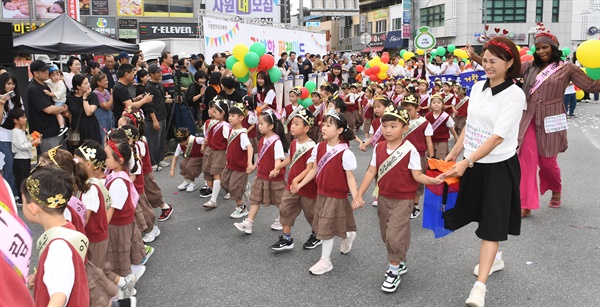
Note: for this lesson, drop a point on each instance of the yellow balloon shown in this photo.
(464, 54)
(420, 51)
(382, 75)
(239, 69)
(384, 67)
(239, 52)
(408, 55)
(587, 53)
(457, 52)
(579, 94)
(518, 47)
(401, 62)
(376, 59)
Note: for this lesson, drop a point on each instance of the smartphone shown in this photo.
(10, 94)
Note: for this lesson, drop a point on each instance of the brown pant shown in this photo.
(148, 213)
(152, 191)
(234, 183)
(394, 224)
(440, 149)
(290, 208)
(190, 168)
(351, 118)
(459, 124)
(333, 217)
(97, 255)
(367, 125)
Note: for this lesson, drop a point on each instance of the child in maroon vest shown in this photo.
(333, 168)
(442, 124)
(367, 102)
(295, 199)
(209, 126)
(218, 145)
(396, 163)
(379, 105)
(239, 161)
(191, 167)
(269, 184)
(424, 97)
(449, 98)
(460, 117)
(317, 109)
(61, 278)
(294, 95)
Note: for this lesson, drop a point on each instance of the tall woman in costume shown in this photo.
(545, 81)
(489, 187)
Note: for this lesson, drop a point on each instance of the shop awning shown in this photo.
(375, 49)
(394, 39)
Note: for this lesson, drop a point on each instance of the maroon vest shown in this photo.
(399, 182)
(288, 111)
(97, 227)
(442, 133)
(196, 151)
(462, 111)
(449, 102)
(126, 215)
(423, 103)
(267, 163)
(146, 162)
(417, 138)
(331, 181)
(217, 141)
(310, 189)
(245, 124)
(237, 158)
(351, 107)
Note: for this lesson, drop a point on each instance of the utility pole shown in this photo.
(301, 14)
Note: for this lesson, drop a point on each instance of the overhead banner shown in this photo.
(267, 10)
(465, 79)
(222, 35)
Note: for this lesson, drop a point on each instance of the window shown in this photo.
(168, 8)
(555, 6)
(344, 32)
(381, 26)
(356, 30)
(370, 27)
(539, 11)
(505, 11)
(433, 16)
(397, 24)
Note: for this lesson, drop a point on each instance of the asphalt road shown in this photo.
(201, 259)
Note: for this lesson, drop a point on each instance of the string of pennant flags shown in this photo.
(314, 39)
(218, 41)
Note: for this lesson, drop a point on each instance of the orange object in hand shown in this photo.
(36, 135)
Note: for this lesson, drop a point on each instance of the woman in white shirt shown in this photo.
(8, 83)
(396, 70)
(74, 64)
(449, 67)
(489, 188)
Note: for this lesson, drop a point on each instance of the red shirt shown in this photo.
(310, 189)
(399, 182)
(326, 184)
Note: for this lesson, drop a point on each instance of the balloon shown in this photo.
(566, 50)
(433, 52)
(307, 102)
(239, 51)
(258, 48)
(368, 65)
(375, 70)
(230, 62)
(244, 78)
(579, 94)
(376, 59)
(402, 52)
(385, 53)
(304, 93)
(373, 77)
(587, 54)
(523, 52)
(526, 48)
(464, 54)
(311, 86)
(457, 52)
(274, 74)
(360, 68)
(266, 62)
(368, 72)
(251, 59)
(532, 48)
(420, 51)
(451, 48)
(594, 73)
(385, 59)
(519, 48)
(526, 58)
(407, 55)
(239, 70)
(401, 62)
(385, 68)
(382, 75)
(441, 50)
(529, 52)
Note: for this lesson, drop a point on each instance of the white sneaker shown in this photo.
(191, 188)
(183, 185)
(247, 191)
(347, 243)
(138, 271)
(276, 225)
(149, 237)
(227, 196)
(155, 168)
(498, 265)
(163, 163)
(239, 213)
(375, 203)
(210, 204)
(155, 231)
(245, 226)
(321, 267)
(477, 296)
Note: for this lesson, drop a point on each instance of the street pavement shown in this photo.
(201, 259)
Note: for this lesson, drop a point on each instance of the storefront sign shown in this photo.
(382, 13)
(100, 7)
(154, 30)
(406, 5)
(103, 25)
(128, 28)
(72, 7)
(406, 17)
(394, 40)
(406, 31)
(267, 10)
(377, 39)
(25, 27)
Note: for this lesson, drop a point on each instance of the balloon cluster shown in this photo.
(376, 68)
(305, 99)
(246, 61)
(587, 55)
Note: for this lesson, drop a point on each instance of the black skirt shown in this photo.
(489, 194)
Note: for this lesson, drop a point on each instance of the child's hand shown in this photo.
(249, 168)
(49, 93)
(36, 142)
(439, 179)
(172, 173)
(358, 203)
(31, 281)
(363, 147)
(273, 173)
(294, 188)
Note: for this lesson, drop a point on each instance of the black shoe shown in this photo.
(415, 213)
(62, 131)
(283, 244)
(312, 242)
(206, 193)
(204, 188)
(126, 302)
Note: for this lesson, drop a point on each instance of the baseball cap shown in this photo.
(38, 65)
(194, 57)
(52, 68)
(154, 68)
(123, 55)
(183, 55)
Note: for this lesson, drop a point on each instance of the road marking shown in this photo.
(589, 135)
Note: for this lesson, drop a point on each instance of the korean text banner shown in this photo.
(223, 35)
(264, 9)
(465, 79)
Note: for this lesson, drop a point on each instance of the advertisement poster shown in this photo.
(130, 8)
(99, 7)
(265, 10)
(103, 25)
(15, 9)
(223, 35)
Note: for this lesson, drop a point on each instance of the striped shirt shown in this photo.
(167, 78)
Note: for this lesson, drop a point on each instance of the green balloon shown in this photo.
(306, 102)
(594, 73)
(251, 59)
(566, 51)
(532, 48)
(441, 50)
(451, 48)
(443, 58)
(258, 48)
(244, 78)
(433, 53)
(529, 52)
(274, 74)
(402, 52)
(230, 62)
(311, 86)
(368, 65)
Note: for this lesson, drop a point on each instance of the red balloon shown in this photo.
(386, 53)
(526, 58)
(304, 93)
(375, 70)
(360, 68)
(373, 78)
(385, 58)
(369, 71)
(523, 52)
(525, 48)
(267, 62)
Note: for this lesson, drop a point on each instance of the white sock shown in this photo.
(216, 190)
(121, 283)
(326, 249)
(480, 284)
(498, 255)
(165, 206)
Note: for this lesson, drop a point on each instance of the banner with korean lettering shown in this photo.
(268, 10)
(465, 79)
(223, 35)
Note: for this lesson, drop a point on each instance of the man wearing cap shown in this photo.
(193, 60)
(41, 109)
(123, 58)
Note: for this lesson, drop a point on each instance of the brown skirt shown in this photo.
(290, 208)
(441, 150)
(153, 191)
(266, 192)
(147, 211)
(97, 255)
(140, 220)
(234, 183)
(119, 252)
(190, 168)
(459, 124)
(218, 159)
(102, 290)
(206, 163)
(333, 217)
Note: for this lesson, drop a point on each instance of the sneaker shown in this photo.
(239, 213)
(245, 226)
(247, 191)
(497, 266)
(165, 214)
(149, 252)
(347, 243)
(126, 302)
(391, 282)
(183, 185)
(204, 188)
(210, 204)
(206, 193)
(477, 296)
(415, 213)
(149, 237)
(312, 242)
(283, 244)
(276, 225)
(403, 269)
(227, 196)
(321, 267)
(191, 188)
(156, 231)
(155, 168)
(139, 270)
(375, 203)
(163, 163)
(62, 131)
(127, 289)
